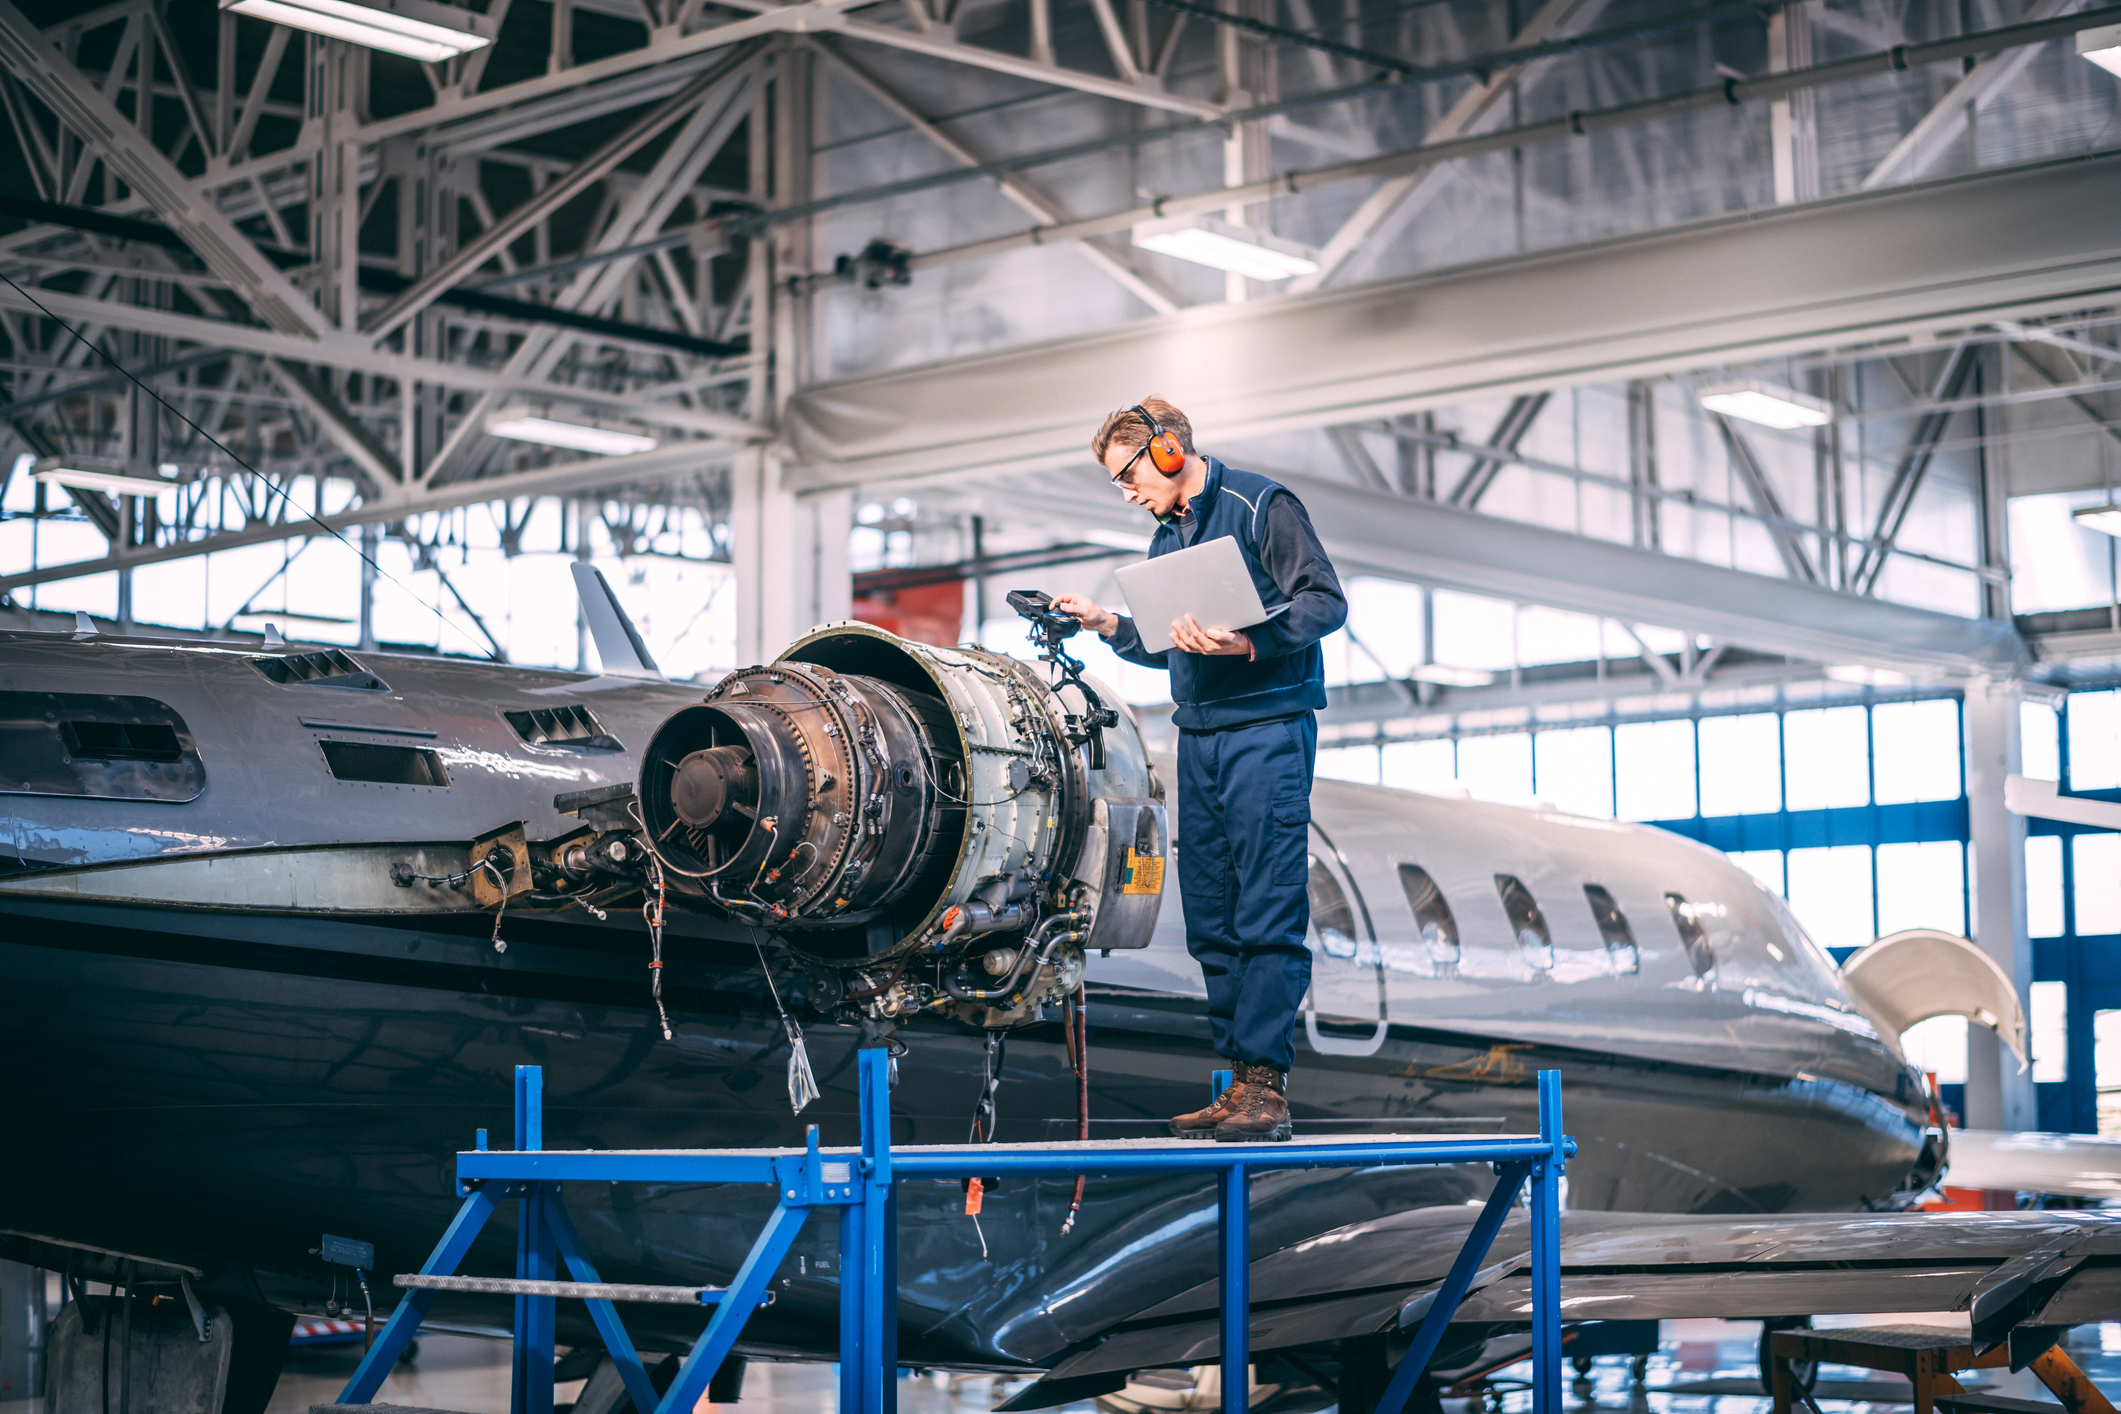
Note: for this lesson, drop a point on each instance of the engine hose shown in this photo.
(884, 986)
(1024, 966)
(1078, 1024)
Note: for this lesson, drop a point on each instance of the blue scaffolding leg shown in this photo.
(536, 1260)
(1236, 1230)
(414, 1306)
(876, 1329)
(602, 1312)
(854, 1355)
(1545, 1173)
(1546, 1251)
(744, 1296)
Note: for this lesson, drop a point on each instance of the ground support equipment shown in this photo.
(1929, 1356)
(862, 1184)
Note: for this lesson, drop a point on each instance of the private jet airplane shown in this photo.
(279, 920)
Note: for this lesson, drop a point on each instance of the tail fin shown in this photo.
(619, 645)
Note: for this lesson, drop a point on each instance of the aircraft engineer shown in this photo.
(1248, 739)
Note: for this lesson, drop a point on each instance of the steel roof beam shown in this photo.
(2015, 242)
(128, 155)
(1421, 541)
(1147, 289)
(1757, 485)
(473, 253)
(1938, 130)
(356, 355)
(590, 473)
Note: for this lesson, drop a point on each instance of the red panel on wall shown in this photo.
(928, 613)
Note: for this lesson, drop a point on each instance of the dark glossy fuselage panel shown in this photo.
(232, 1087)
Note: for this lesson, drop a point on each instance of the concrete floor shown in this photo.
(460, 1373)
(468, 1374)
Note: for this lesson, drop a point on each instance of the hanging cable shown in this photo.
(1076, 1021)
(652, 913)
(802, 1081)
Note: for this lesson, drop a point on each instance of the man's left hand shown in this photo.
(1187, 633)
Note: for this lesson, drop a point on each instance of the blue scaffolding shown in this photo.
(862, 1184)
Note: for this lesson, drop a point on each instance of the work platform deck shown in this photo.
(861, 1181)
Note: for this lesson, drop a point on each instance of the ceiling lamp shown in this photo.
(1866, 675)
(1210, 240)
(97, 474)
(1767, 405)
(2105, 518)
(417, 29)
(524, 425)
(2102, 46)
(1451, 677)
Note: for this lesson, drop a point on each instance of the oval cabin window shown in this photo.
(1700, 952)
(1613, 927)
(1331, 916)
(1432, 915)
(1526, 921)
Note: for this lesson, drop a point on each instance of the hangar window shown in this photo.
(384, 765)
(1613, 927)
(1330, 913)
(86, 744)
(1526, 921)
(1686, 917)
(1432, 915)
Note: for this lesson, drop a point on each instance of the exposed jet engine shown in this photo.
(932, 828)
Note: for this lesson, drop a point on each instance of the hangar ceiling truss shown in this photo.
(749, 229)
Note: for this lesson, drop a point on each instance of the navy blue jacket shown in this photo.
(1287, 673)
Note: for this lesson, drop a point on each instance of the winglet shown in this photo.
(619, 645)
(84, 626)
(272, 637)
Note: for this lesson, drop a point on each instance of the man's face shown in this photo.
(1143, 485)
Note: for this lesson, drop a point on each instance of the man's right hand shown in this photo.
(1097, 620)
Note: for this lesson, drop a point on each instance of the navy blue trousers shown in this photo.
(1244, 822)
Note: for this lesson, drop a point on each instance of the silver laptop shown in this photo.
(1208, 581)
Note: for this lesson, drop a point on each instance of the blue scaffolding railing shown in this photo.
(862, 1184)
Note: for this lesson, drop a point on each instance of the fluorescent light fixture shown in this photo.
(417, 29)
(2102, 46)
(2103, 518)
(97, 474)
(1210, 240)
(1451, 677)
(1766, 404)
(1866, 675)
(524, 425)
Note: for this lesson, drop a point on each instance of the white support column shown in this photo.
(790, 550)
(1998, 1096)
(791, 558)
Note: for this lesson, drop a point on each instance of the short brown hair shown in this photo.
(1127, 428)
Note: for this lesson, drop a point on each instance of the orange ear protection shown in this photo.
(1164, 452)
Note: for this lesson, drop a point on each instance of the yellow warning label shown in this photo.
(1144, 874)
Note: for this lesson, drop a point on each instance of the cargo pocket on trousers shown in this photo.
(1290, 850)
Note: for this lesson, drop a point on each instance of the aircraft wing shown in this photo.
(2080, 1165)
(2008, 1269)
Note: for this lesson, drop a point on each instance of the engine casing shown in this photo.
(869, 800)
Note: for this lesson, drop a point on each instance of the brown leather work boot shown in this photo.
(1261, 1114)
(1201, 1123)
